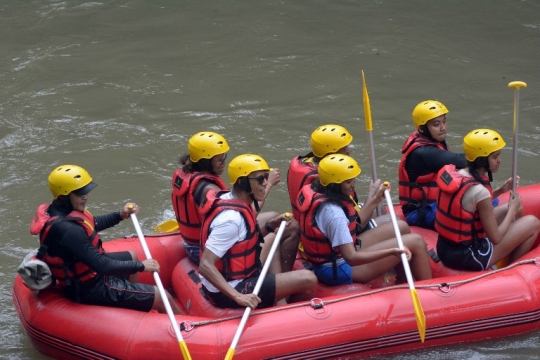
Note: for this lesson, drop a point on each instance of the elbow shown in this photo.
(203, 269)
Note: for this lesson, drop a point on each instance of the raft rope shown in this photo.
(318, 303)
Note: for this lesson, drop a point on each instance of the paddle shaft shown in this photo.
(369, 130)
(399, 239)
(418, 311)
(258, 285)
(516, 85)
(161, 290)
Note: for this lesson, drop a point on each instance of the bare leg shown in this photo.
(289, 245)
(158, 303)
(289, 241)
(419, 263)
(275, 265)
(298, 285)
(518, 240)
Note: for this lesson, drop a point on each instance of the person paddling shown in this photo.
(71, 247)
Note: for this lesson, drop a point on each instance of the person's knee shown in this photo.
(535, 222)
(404, 228)
(415, 242)
(309, 279)
(292, 232)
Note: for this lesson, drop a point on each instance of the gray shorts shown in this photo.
(117, 291)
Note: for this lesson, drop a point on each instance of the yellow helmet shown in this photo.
(427, 110)
(328, 139)
(67, 178)
(337, 168)
(481, 143)
(245, 164)
(206, 145)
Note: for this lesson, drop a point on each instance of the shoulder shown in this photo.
(330, 210)
(480, 192)
(227, 217)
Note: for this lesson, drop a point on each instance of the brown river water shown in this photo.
(119, 86)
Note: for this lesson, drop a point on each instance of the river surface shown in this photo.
(118, 87)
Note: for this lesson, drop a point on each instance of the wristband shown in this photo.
(268, 228)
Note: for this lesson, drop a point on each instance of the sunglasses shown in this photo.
(260, 179)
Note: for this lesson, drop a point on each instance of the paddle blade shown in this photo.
(167, 226)
(184, 350)
(367, 106)
(230, 354)
(419, 313)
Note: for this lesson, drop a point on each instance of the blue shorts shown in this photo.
(413, 218)
(325, 274)
(193, 252)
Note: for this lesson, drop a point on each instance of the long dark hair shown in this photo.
(479, 162)
(203, 165)
(332, 191)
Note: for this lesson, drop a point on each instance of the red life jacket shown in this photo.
(186, 210)
(301, 172)
(242, 259)
(424, 190)
(317, 247)
(452, 221)
(65, 271)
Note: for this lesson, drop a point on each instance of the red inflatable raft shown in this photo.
(341, 322)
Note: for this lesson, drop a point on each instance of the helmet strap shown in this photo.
(255, 202)
(243, 184)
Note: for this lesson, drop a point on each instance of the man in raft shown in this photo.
(234, 247)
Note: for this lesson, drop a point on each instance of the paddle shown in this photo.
(369, 129)
(258, 285)
(181, 342)
(167, 226)
(418, 311)
(516, 85)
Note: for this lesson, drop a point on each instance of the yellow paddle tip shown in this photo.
(419, 314)
(184, 350)
(517, 84)
(230, 354)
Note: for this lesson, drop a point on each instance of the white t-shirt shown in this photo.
(333, 223)
(474, 194)
(226, 229)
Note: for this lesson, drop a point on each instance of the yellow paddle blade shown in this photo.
(230, 354)
(167, 226)
(184, 349)
(420, 316)
(367, 106)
